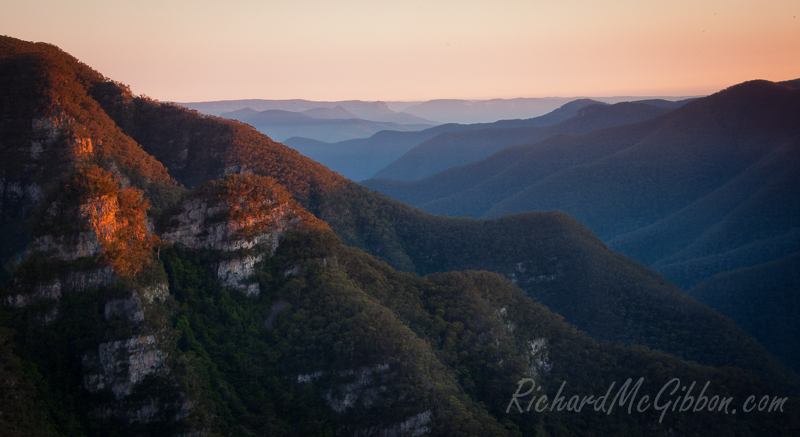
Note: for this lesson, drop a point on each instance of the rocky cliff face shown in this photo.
(99, 216)
(236, 272)
(198, 225)
(244, 214)
(38, 143)
(91, 223)
(123, 364)
(70, 282)
(91, 234)
(121, 367)
(47, 146)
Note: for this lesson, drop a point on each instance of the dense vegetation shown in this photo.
(706, 189)
(454, 344)
(198, 148)
(747, 294)
(335, 341)
(44, 82)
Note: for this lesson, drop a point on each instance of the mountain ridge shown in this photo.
(359, 159)
(702, 190)
(285, 124)
(454, 149)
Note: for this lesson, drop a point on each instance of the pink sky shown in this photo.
(418, 50)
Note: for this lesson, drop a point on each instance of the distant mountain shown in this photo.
(328, 113)
(322, 124)
(359, 159)
(362, 109)
(662, 103)
(708, 188)
(485, 111)
(430, 112)
(240, 113)
(457, 148)
(371, 111)
(405, 118)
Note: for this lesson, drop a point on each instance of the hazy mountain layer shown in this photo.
(485, 111)
(328, 113)
(372, 111)
(462, 147)
(324, 126)
(359, 159)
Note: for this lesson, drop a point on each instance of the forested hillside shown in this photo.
(228, 305)
(702, 191)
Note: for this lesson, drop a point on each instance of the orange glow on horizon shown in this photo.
(410, 51)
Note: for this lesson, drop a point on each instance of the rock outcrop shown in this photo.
(121, 365)
(245, 214)
(72, 281)
(88, 218)
(236, 272)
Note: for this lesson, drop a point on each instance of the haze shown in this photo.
(405, 50)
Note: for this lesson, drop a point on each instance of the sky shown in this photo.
(198, 50)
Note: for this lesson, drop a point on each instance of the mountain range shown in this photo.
(696, 193)
(322, 124)
(181, 274)
(367, 110)
(359, 159)
(411, 155)
(487, 111)
(462, 147)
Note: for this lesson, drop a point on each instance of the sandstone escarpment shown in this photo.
(91, 216)
(235, 273)
(237, 212)
(123, 364)
(92, 231)
(245, 214)
(72, 281)
(45, 146)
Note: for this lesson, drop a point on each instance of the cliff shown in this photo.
(244, 215)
